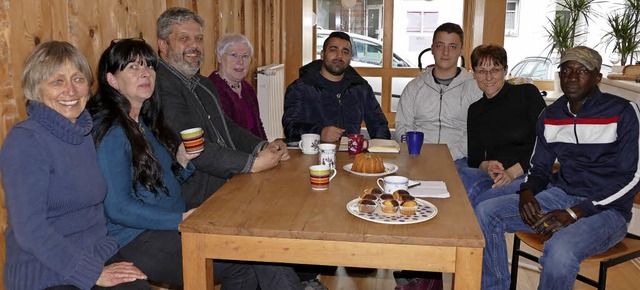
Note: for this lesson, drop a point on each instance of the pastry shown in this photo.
(389, 206)
(385, 196)
(374, 190)
(368, 196)
(405, 197)
(367, 163)
(398, 193)
(366, 206)
(408, 207)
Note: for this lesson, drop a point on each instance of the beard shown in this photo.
(178, 61)
(333, 69)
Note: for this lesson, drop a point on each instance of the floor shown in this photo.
(622, 277)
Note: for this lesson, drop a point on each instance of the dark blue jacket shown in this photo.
(309, 107)
(597, 150)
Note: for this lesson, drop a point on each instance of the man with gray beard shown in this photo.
(331, 99)
(190, 100)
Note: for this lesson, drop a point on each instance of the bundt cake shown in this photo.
(367, 163)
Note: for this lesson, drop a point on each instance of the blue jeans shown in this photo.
(478, 184)
(562, 254)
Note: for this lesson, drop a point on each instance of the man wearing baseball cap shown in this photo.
(586, 205)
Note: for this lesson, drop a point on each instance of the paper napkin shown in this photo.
(435, 189)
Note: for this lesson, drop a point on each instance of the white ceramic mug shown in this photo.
(393, 183)
(327, 154)
(309, 143)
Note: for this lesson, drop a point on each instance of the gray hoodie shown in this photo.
(437, 110)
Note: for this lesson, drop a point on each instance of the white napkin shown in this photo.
(435, 189)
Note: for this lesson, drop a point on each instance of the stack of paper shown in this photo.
(435, 189)
(375, 145)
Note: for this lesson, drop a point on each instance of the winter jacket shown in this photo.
(597, 150)
(309, 107)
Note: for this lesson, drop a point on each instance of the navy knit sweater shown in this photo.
(54, 189)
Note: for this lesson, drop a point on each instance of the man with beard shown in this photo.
(331, 99)
(190, 100)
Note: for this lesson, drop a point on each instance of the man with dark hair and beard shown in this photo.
(331, 99)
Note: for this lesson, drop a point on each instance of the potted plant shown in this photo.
(566, 29)
(623, 33)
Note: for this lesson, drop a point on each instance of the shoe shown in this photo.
(313, 284)
(422, 284)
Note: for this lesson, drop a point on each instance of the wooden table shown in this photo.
(274, 216)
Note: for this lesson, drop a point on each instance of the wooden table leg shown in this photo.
(197, 270)
(468, 272)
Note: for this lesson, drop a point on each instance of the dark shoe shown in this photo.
(411, 280)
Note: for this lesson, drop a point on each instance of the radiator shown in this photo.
(271, 99)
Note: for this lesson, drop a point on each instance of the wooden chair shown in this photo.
(626, 250)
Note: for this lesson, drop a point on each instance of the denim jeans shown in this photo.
(562, 254)
(478, 184)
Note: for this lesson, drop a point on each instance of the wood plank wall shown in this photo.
(91, 25)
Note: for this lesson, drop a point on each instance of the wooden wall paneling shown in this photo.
(8, 109)
(206, 10)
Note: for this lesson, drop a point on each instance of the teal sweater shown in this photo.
(57, 232)
(128, 215)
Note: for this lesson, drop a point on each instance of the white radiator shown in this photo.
(271, 99)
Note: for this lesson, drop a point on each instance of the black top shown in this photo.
(503, 128)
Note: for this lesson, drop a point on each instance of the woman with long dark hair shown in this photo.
(143, 163)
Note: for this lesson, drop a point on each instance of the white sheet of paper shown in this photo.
(435, 189)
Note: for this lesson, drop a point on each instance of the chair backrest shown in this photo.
(429, 49)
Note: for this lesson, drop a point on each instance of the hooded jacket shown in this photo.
(597, 150)
(309, 106)
(439, 111)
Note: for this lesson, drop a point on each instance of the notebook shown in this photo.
(375, 145)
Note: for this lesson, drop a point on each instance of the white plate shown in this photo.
(425, 212)
(388, 169)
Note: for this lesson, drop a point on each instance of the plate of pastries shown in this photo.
(367, 164)
(397, 208)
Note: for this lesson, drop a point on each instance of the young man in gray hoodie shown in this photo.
(436, 102)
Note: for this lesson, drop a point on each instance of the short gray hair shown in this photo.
(229, 39)
(175, 15)
(45, 60)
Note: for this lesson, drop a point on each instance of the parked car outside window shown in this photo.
(540, 68)
(367, 52)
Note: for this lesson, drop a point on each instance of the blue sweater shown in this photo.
(127, 215)
(57, 231)
(597, 150)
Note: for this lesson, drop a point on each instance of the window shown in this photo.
(512, 18)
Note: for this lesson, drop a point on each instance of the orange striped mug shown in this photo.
(320, 176)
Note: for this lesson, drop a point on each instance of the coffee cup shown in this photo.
(193, 140)
(320, 175)
(357, 143)
(414, 141)
(392, 183)
(327, 154)
(309, 143)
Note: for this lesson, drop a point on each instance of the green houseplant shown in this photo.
(623, 33)
(566, 27)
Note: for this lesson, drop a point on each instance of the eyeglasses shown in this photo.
(118, 40)
(235, 56)
(494, 72)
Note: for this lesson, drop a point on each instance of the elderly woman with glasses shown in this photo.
(237, 96)
(57, 234)
(501, 128)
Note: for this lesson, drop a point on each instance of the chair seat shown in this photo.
(626, 246)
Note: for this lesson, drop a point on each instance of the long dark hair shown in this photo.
(110, 108)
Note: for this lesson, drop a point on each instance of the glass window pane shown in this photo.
(397, 86)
